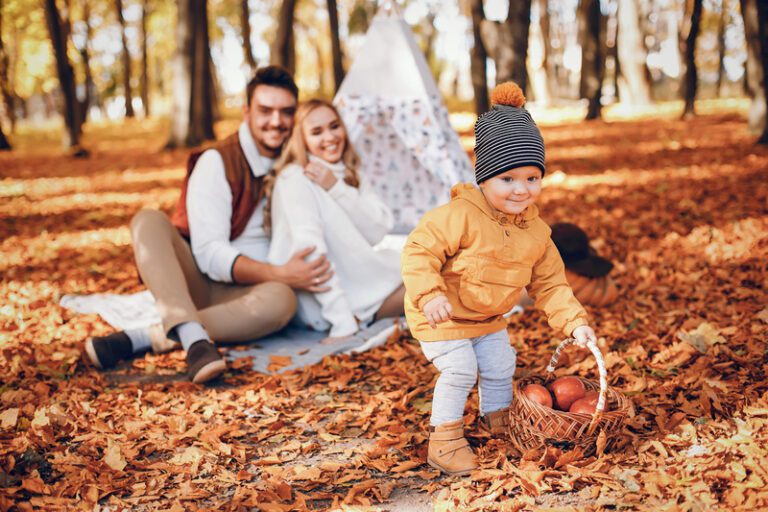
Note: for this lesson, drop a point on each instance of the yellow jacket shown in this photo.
(481, 260)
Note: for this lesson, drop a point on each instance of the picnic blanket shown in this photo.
(294, 346)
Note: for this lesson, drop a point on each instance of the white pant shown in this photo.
(459, 362)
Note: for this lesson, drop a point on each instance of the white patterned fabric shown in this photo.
(410, 154)
(398, 124)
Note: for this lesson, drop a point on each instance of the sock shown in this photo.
(140, 341)
(189, 333)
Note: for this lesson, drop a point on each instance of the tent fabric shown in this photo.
(398, 124)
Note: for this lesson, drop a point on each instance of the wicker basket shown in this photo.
(532, 425)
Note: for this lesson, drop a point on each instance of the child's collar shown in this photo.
(473, 194)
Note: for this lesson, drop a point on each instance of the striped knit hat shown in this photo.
(506, 136)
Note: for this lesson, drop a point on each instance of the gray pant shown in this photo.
(228, 312)
(459, 362)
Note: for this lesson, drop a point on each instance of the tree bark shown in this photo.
(4, 144)
(90, 86)
(5, 87)
(631, 56)
(721, 46)
(283, 49)
(688, 36)
(66, 78)
(544, 74)
(202, 92)
(756, 118)
(245, 28)
(126, 57)
(507, 43)
(478, 58)
(144, 85)
(182, 80)
(762, 23)
(592, 56)
(338, 57)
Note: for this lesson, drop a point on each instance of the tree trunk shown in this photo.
(182, 80)
(762, 23)
(66, 78)
(144, 85)
(592, 56)
(90, 86)
(478, 58)
(338, 64)
(283, 49)
(688, 37)
(126, 57)
(4, 144)
(754, 67)
(631, 56)
(543, 73)
(202, 92)
(721, 47)
(245, 28)
(508, 43)
(5, 86)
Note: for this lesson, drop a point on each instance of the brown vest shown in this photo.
(246, 188)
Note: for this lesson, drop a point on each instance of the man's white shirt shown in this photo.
(209, 211)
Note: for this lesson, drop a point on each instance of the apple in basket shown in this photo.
(566, 391)
(538, 394)
(588, 404)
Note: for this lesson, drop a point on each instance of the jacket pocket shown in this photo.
(491, 286)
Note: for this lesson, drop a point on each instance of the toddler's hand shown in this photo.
(437, 310)
(584, 334)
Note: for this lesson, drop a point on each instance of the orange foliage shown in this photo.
(680, 207)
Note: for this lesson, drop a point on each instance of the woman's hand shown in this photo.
(584, 334)
(320, 174)
(437, 310)
(300, 274)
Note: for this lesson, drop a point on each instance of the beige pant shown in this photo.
(228, 312)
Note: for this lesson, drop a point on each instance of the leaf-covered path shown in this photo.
(681, 206)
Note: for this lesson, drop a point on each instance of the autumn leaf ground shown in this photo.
(682, 207)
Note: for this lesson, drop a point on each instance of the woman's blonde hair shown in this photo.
(295, 152)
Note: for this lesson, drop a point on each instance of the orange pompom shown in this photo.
(508, 93)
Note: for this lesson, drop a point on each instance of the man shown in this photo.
(206, 265)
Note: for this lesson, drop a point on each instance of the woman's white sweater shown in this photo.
(343, 223)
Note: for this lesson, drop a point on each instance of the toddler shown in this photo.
(465, 265)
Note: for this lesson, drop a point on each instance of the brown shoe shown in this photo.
(204, 362)
(496, 423)
(106, 351)
(449, 450)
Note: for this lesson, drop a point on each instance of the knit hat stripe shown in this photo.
(506, 137)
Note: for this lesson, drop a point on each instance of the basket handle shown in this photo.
(600, 369)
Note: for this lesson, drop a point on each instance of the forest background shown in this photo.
(186, 63)
(651, 110)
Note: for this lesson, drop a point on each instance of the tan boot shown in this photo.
(496, 423)
(449, 451)
(160, 343)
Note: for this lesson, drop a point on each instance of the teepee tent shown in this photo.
(398, 124)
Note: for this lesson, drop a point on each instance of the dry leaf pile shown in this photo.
(682, 208)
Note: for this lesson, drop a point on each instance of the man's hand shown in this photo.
(584, 334)
(305, 275)
(437, 310)
(320, 174)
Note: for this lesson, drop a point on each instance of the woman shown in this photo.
(317, 198)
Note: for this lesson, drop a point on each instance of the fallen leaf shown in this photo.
(114, 458)
(9, 417)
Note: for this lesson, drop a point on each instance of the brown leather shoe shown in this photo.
(449, 450)
(204, 362)
(106, 351)
(496, 423)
